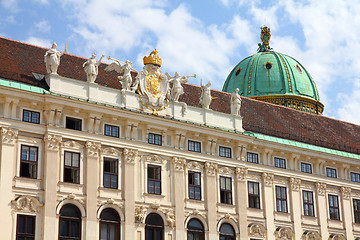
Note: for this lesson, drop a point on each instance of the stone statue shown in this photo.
(177, 89)
(125, 70)
(52, 59)
(205, 98)
(91, 68)
(235, 102)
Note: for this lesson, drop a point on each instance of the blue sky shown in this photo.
(203, 37)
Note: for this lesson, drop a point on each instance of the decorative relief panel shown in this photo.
(225, 170)
(311, 235)
(241, 173)
(295, 184)
(227, 216)
(321, 188)
(284, 233)
(256, 230)
(179, 163)
(72, 144)
(154, 159)
(140, 213)
(345, 192)
(93, 149)
(210, 168)
(8, 135)
(195, 212)
(130, 155)
(26, 204)
(52, 142)
(194, 165)
(111, 152)
(337, 237)
(170, 216)
(268, 179)
(110, 202)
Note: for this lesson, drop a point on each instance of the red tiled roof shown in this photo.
(18, 60)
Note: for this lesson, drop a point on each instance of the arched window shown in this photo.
(109, 225)
(154, 229)
(195, 230)
(70, 223)
(227, 232)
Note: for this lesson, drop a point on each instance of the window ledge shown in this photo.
(195, 200)
(109, 189)
(225, 205)
(308, 217)
(254, 209)
(70, 184)
(26, 179)
(154, 195)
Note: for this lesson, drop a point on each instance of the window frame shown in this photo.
(357, 178)
(108, 223)
(74, 118)
(253, 197)
(224, 192)
(154, 179)
(226, 150)
(70, 219)
(25, 235)
(194, 185)
(356, 211)
(308, 203)
(277, 162)
(31, 112)
(199, 234)
(71, 167)
(307, 165)
(35, 163)
(111, 130)
(111, 173)
(154, 141)
(333, 170)
(336, 208)
(195, 147)
(252, 154)
(281, 199)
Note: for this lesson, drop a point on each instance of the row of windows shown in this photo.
(70, 226)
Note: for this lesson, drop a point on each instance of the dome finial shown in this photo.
(265, 38)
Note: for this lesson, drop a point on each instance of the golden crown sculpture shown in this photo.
(153, 58)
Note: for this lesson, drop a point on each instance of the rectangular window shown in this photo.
(252, 157)
(334, 207)
(194, 185)
(225, 152)
(31, 116)
(306, 167)
(110, 173)
(194, 146)
(308, 203)
(154, 179)
(112, 131)
(254, 195)
(281, 199)
(28, 162)
(331, 172)
(155, 139)
(25, 227)
(280, 162)
(225, 190)
(355, 177)
(72, 167)
(73, 123)
(356, 203)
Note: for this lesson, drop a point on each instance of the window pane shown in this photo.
(26, 117)
(21, 224)
(64, 228)
(33, 154)
(30, 223)
(75, 160)
(197, 178)
(112, 232)
(103, 231)
(150, 234)
(68, 159)
(24, 153)
(74, 228)
(106, 180)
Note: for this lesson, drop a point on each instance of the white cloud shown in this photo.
(39, 42)
(43, 26)
(349, 111)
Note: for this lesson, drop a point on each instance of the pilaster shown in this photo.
(211, 198)
(268, 194)
(295, 205)
(346, 210)
(179, 196)
(322, 209)
(241, 206)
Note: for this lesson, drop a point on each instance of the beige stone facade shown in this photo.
(272, 167)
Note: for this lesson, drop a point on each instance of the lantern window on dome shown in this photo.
(268, 65)
(237, 71)
(298, 68)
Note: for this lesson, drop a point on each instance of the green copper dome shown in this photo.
(274, 77)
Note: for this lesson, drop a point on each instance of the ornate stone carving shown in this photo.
(179, 163)
(268, 179)
(140, 213)
(194, 165)
(72, 144)
(311, 235)
(235, 102)
(52, 59)
(91, 68)
(155, 206)
(284, 233)
(205, 97)
(154, 159)
(52, 142)
(93, 148)
(170, 217)
(111, 151)
(125, 79)
(295, 183)
(130, 155)
(26, 204)
(210, 168)
(241, 173)
(256, 230)
(225, 170)
(337, 237)
(177, 89)
(345, 192)
(8, 135)
(321, 188)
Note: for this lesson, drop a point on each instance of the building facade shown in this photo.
(94, 160)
